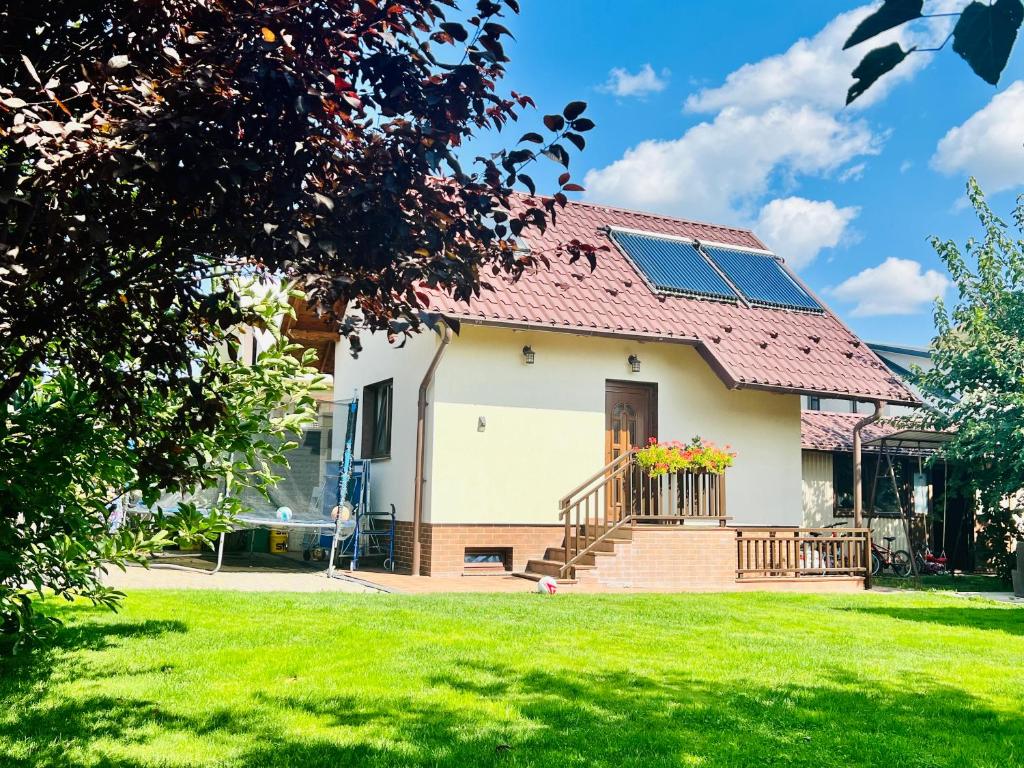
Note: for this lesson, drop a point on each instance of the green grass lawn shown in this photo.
(231, 679)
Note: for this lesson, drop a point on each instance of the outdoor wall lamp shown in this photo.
(634, 363)
(529, 355)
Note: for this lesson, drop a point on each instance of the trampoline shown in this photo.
(306, 501)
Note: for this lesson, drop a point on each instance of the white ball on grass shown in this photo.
(547, 586)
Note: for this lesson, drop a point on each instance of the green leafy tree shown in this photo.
(148, 144)
(978, 377)
(150, 150)
(66, 462)
(983, 36)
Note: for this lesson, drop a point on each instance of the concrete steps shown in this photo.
(552, 568)
(554, 557)
(558, 555)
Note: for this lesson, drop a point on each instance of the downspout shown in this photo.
(421, 417)
(858, 464)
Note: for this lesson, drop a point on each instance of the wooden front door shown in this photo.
(631, 414)
(631, 417)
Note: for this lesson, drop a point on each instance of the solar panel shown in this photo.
(760, 278)
(674, 266)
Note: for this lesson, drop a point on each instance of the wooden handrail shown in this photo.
(595, 501)
(611, 466)
(627, 520)
(622, 493)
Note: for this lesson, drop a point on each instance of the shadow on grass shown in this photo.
(1008, 619)
(80, 635)
(51, 732)
(971, 582)
(484, 709)
(483, 713)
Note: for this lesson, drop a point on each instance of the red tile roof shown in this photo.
(747, 346)
(825, 431)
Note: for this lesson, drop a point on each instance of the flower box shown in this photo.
(698, 457)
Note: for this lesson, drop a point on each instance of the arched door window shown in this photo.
(625, 428)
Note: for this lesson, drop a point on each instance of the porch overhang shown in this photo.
(311, 332)
(912, 442)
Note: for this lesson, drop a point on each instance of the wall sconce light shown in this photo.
(529, 356)
(634, 363)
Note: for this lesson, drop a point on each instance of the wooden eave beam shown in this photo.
(310, 335)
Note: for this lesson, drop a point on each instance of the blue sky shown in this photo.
(732, 112)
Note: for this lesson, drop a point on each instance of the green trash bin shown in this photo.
(260, 540)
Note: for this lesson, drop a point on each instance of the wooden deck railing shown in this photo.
(677, 497)
(781, 553)
(622, 493)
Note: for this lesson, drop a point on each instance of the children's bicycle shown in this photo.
(884, 557)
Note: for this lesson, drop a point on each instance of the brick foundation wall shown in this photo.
(403, 547)
(670, 558)
(804, 584)
(449, 543)
(690, 559)
(443, 546)
(693, 560)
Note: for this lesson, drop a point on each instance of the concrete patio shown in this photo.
(275, 573)
(272, 573)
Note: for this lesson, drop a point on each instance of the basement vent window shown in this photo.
(487, 560)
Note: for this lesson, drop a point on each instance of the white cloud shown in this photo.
(816, 70)
(773, 121)
(797, 229)
(894, 287)
(717, 170)
(989, 145)
(770, 124)
(853, 173)
(623, 83)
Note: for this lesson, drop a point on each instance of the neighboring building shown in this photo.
(940, 516)
(901, 360)
(929, 494)
(684, 329)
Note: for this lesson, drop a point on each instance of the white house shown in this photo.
(683, 329)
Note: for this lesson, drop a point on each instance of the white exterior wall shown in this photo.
(391, 479)
(889, 526)
(545, 425)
